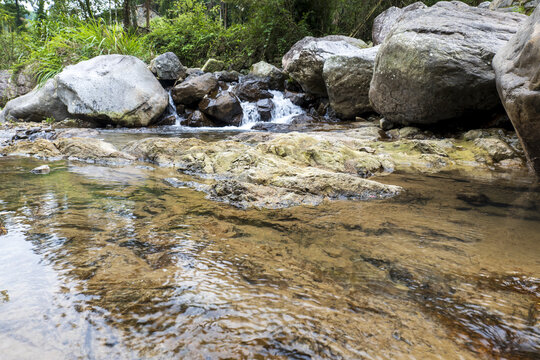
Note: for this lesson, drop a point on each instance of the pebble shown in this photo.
(42, 170)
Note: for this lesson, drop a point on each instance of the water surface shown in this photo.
(102, 262)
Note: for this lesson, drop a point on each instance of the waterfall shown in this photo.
(284, 111)
(172, 110)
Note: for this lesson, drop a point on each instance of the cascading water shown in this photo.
(172, 110)
(282, 113)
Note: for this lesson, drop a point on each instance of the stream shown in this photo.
(104, 262)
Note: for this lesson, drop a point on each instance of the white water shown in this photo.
(283, 113)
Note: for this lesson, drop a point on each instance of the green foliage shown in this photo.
(71, 40)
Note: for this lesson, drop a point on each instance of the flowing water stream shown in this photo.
(113, 263)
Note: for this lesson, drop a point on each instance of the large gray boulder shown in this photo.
(194, 89)
(517, 69)
(384, 22)
(168, 67)
(436, 63)
(276, 77)
(305, 60)
(112, 89)
(12, 86)
(347, 80)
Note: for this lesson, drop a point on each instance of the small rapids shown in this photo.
(283, 112)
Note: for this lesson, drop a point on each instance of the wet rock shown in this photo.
(347, 80)
(252, 90)
(225, 108)
(41, 149)
(385, 22)
(265, 108)
(194, 89)
(518, 83)
(305, 60)
(198, 119)
(438, 86)
(496, 148)
(275, 76)
(385, 124)
(168, 67)
(298, 99)
(228, 76)
(213, 65)
(113, 89)
(41, 170)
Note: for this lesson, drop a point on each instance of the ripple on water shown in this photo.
(113, 263)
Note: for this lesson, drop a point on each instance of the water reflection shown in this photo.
(113, 263)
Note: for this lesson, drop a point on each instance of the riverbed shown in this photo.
(112, 262)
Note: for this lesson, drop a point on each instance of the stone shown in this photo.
(484, 5)
(112, 89)
(385, 124)
(225, 108)
(265, 107)
(13, 86)
(496, 148)
(198, 119)
(194, 89)
(298, 99)
(305, 60)
(518, 82)
(347, 80)
(252, 90)
(41, 170)
(194, 72)
(435, 66)
(213, 65)
(228, 76)
(168, 67)
(275, 76)
(385, 21)
(513, 5)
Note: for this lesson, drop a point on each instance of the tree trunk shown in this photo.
(147, 5)
(18, 22)
(127, 15)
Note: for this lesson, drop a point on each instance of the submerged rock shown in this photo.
(168, 67)
(347, 80)
(305, 60)
(112, 89)
(435, 65)
(518, 81)
(41, 170)
(384, 23)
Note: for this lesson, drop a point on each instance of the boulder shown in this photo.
(275, 76)
(228, 76)
(265, 108)
(194, 89)
(484, 5)
(225, 108)
(213, 65)
(113, 89)
(168, 67)
(384, 23)
(198, 119)
(518, 82)
(436, 64)
(347, 80)
(252, 89)
(12, 86)
(305, 60)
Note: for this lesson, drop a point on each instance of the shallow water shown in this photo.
(113, 263)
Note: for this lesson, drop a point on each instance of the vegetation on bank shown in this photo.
(50, 35)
